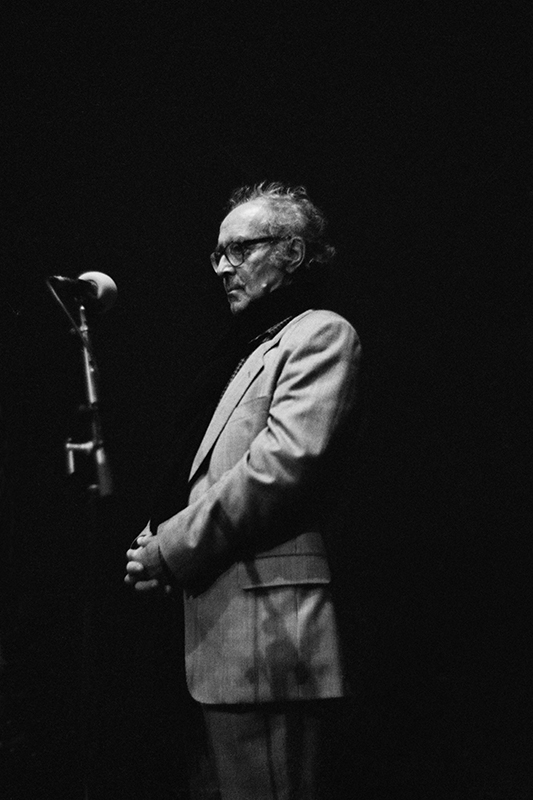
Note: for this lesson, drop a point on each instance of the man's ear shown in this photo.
(295, 254)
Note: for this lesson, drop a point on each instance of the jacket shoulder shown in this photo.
(320, 324)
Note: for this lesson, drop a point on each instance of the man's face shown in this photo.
(261, 272)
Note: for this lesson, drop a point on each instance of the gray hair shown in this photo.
(293, 214)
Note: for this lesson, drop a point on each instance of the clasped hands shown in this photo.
(144, 570)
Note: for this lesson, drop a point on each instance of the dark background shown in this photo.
(125, 128)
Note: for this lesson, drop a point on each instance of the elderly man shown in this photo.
(243, 524)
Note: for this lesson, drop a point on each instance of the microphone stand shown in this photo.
(95, 445)
(95, 491)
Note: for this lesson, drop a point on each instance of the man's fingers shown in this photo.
(134, 573)
(146, 586)
(141, 540)
(140, 585)
(134, 567)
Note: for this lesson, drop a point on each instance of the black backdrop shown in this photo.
(125, 129)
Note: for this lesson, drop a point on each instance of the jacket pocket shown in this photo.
(285, 570)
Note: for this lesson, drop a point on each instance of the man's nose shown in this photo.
(224, 266)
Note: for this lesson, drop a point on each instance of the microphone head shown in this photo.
(104, 289)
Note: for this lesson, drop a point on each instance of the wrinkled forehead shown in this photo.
(246, 221)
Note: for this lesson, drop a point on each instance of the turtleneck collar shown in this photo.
(283, 303)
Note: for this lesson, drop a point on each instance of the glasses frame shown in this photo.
(217, 254)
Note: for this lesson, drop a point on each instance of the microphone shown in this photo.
(95, 288)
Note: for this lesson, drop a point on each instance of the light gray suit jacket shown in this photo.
(249, 547)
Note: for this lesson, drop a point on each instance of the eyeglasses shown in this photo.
(235, 252)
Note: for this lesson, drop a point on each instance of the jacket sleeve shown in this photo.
(314, 392)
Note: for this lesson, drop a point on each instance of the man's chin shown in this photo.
(237, 303)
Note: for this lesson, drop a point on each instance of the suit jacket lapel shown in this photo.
(233, 394)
